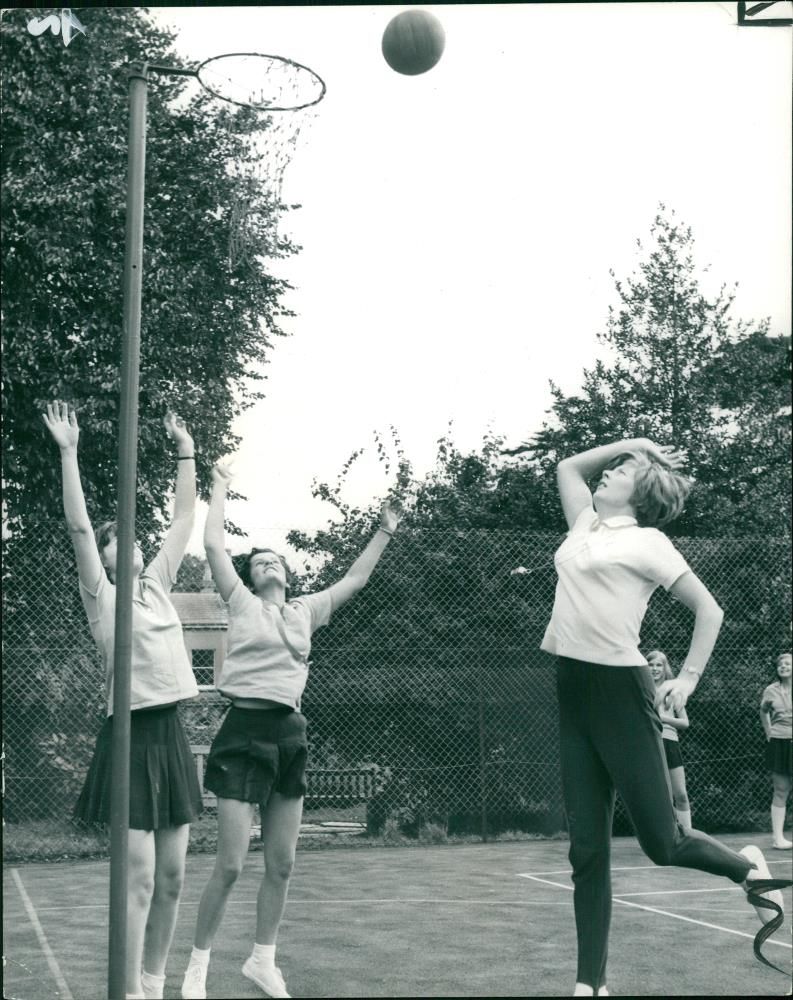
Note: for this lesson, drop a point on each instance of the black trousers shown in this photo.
(610, 737)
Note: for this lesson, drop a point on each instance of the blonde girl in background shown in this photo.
(674, 721)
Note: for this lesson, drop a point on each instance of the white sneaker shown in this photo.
(783, 845)
(194, 985)
(761, 872)
(268, 979)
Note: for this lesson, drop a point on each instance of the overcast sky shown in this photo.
(458, 227)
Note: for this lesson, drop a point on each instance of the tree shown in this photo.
(748, 475)
(445, 636)
(682, 372)
(207, 326)
(442, 635)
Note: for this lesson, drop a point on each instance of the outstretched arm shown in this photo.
(574, 473)
(357, 575)
(708, 618)
(178, 535)
(223, 572)
(61, 422)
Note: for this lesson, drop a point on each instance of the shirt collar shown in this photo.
(618, 521)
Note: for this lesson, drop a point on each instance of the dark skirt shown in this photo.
(256, 752)
(779, 756)
(673, 756)
(163, 784)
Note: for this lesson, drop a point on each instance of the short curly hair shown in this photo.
(105, 534)
(659, 493)
(245, 569)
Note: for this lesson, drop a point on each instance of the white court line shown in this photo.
(566, 871)
(632, 868)
(319, 902)
(678, 892)
(44, 944)
(665, 913)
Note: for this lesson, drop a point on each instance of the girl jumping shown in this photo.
(259, 754)
(612, 560)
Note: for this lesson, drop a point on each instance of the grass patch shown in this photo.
(355, 813)
(52, 840)
(60, 840)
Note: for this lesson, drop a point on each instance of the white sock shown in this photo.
(778, 824)
(200, 956)
(264, 955)
(152, 985)
(684, 819)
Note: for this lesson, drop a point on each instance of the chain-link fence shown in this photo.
(429, 702)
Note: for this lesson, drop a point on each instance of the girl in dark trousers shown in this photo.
(612, 560)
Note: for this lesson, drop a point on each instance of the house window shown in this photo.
(204, 667)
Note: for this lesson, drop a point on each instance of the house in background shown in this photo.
(205, 622)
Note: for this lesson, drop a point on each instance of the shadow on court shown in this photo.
(477, 920)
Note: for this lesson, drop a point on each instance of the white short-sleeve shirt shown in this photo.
(268, 646)
(161, 672)
(608, 569)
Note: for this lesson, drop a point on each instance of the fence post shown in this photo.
(482, 762)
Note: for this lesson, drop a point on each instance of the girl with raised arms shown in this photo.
(164, 793)
(259, 754)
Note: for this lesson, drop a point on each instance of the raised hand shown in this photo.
(222, 474)
(390, 516)
(178, 432)
(666, 454)
(61, 421)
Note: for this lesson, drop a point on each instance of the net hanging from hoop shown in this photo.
(277, 102)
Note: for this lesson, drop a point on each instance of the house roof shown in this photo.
(200, 610)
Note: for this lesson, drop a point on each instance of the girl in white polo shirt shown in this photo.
(259, 754)
(164, 793)
(612, 560)
(674, 721)
(776, 714)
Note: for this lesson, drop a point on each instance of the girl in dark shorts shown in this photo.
(777, 718)
(674, 721)
(612, 560)
(164, 795)
(259, 754)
